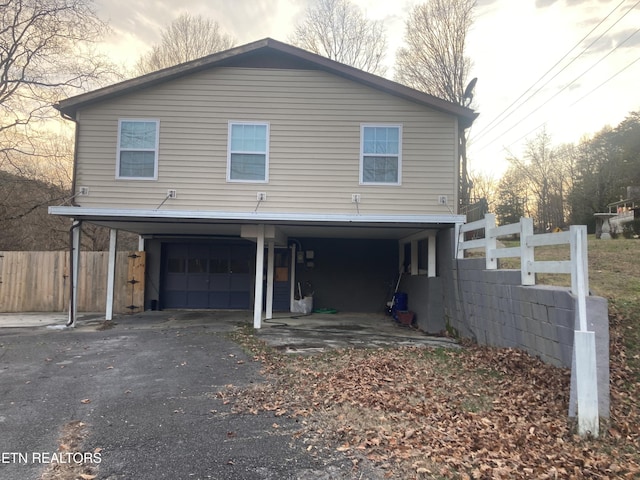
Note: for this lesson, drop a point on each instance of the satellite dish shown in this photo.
(468, 92)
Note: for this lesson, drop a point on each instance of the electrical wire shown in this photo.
(163, 201)
(563, 89)
(489, 127)
(606, 81)
(577, 101)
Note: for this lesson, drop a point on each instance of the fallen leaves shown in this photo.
(478, 413)
(71, 440)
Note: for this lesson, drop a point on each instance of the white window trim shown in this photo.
(266, 153)
(384, 125)
(155, 149)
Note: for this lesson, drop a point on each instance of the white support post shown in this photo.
(140, 243)
(457, 241)
(292, 287)
(73, 309)
(257, 303)
(578, 277)
(527, 253)
(270, 268)
(579, 236)
(584, 341)
(111, 272)
(584, 344)
(490, 241)
(431, 264)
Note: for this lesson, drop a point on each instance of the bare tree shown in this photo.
(484, 186)
(338, 29)
(186, 38)
(435, 61)
(45, 54)
(544, 176)
(512, 198)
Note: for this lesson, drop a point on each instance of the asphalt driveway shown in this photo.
(146, 390)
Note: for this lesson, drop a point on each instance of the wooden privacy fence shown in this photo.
(39, 282)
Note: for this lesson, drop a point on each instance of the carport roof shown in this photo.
(206, 223)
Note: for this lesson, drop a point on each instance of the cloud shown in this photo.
(137, 25)
(544, 3)
(569, 3)
(143, 18)
(608, 42)
(245, 20)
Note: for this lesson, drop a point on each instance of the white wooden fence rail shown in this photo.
(577, 266)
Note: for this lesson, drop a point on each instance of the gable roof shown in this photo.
(266, 53)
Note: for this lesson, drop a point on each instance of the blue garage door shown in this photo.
(207, 276)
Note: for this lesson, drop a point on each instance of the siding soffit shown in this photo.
(265, 53)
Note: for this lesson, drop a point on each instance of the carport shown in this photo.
(211, 260)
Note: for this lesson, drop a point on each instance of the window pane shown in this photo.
(248, 138)
(247, 167)
(239, 265)
(218, 265)
(138, 135)
(381, 140)
(380, 170)
(197, 265)
(137, 164)
(176, 265)
(236, 137)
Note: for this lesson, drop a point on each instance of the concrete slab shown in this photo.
(40, 319)
(290, 333)
(319, 332)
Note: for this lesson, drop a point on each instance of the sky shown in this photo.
(562, 66)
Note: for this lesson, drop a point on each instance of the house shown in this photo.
(625, 210)
(266, 172)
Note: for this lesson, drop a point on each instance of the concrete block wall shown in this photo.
(492, 308)
(425, 300)
(499, 312)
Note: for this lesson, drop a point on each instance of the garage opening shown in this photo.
(207, 275)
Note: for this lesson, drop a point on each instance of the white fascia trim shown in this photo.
(252, 217)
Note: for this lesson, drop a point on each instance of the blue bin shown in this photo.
(400, 302)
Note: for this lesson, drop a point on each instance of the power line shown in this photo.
(562, 90)
(606, 81)
(493, 123)
(574, 103)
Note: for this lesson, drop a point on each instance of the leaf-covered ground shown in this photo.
(477, 412)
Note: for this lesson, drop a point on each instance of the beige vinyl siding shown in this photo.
(314, 154)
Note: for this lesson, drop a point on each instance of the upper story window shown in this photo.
(248, 157)
(138, 149)
(380, 154)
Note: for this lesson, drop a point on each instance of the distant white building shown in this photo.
(626, 210)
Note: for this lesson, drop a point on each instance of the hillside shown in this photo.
(24, 221)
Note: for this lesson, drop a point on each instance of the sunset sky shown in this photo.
(512, 44)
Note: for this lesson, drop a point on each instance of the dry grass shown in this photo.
(614, 267)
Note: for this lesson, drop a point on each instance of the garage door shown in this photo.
(207, 276)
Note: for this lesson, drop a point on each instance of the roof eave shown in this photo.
(70, 106)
